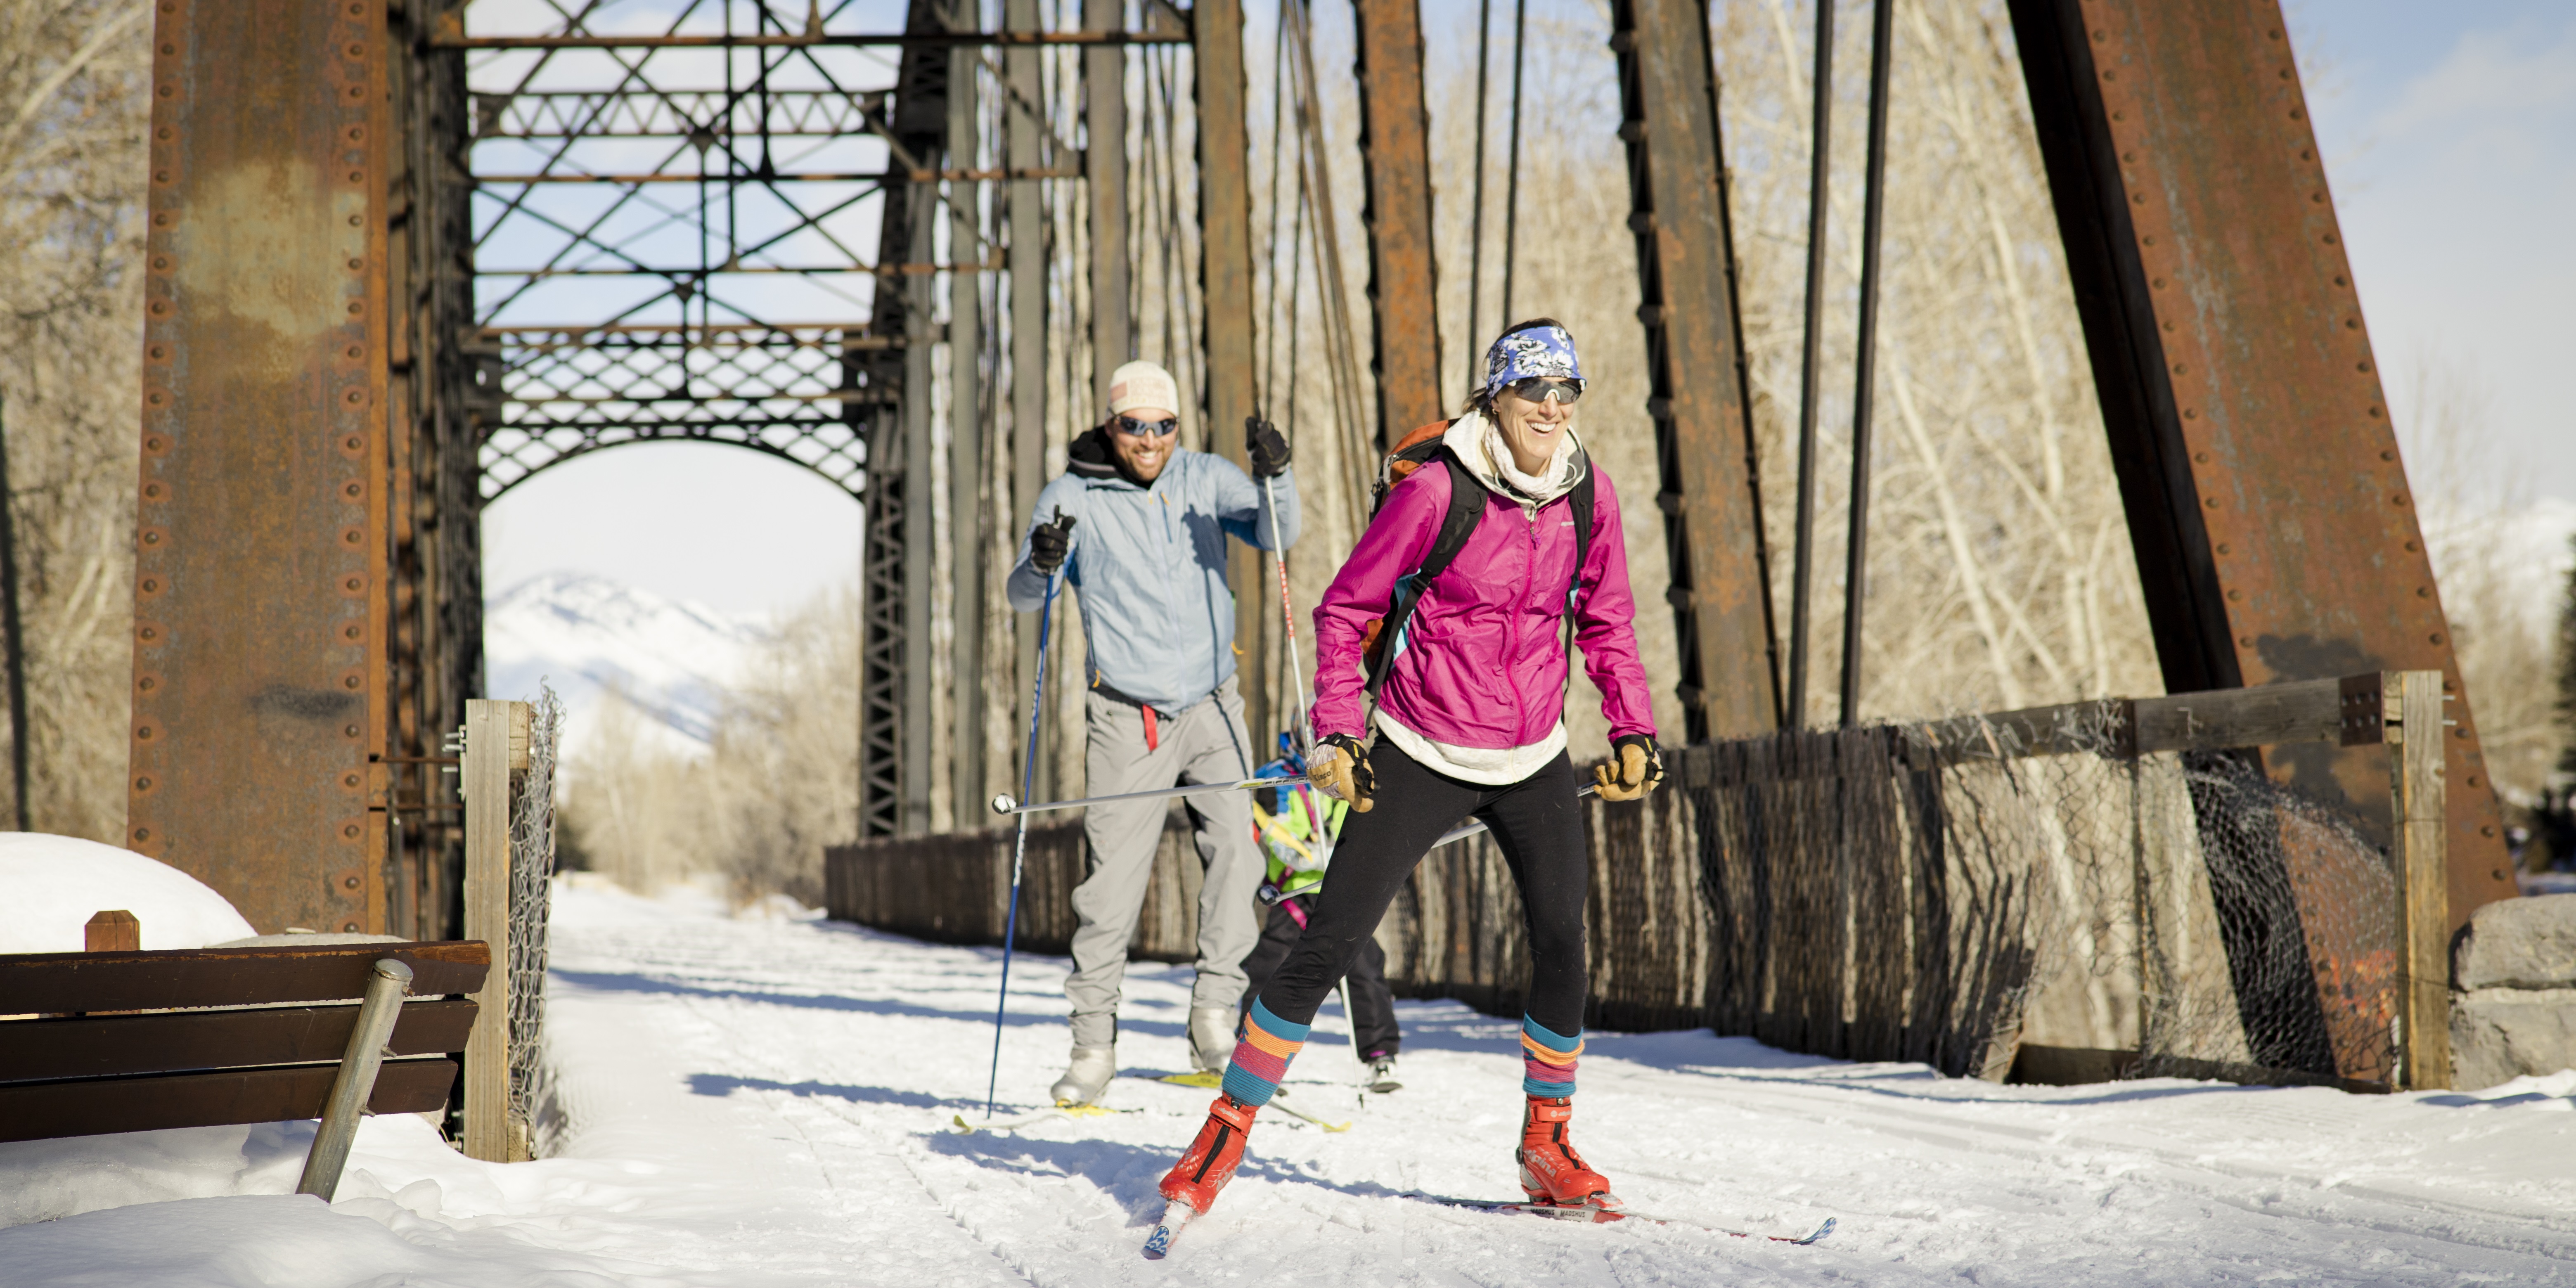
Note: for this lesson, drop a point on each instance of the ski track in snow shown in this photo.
(748, 1102)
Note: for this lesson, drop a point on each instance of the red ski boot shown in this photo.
(1552, 1174)
(1212, 1158)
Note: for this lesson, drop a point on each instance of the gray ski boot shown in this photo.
(1212, 1037)
(1087, 1081)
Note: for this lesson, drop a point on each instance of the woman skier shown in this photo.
(1459, 610)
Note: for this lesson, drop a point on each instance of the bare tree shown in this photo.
(73, 110)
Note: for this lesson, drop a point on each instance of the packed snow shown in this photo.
(772, 1101)
(55, 884)
(587, 635)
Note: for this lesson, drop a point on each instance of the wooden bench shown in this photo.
(213, 1037)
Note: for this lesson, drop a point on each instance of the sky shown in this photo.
(2449, 130)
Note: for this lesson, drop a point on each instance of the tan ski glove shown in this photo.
(1339, 768)
(1633, 771)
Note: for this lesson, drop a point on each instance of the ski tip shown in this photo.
(1332, 1127)
(964, 1128)
(1176, 1215)
(1821, 1231)
(1085, 1111)
(1201, 1079)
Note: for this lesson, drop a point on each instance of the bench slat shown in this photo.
(50, 1110)
(110, 1046)
(63, 982)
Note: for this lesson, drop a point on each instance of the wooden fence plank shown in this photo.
(50, 1110)
(59, 982)
(107, 1046)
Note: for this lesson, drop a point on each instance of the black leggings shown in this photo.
(1537, 821)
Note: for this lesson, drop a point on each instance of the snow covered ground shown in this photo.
(757, 1102)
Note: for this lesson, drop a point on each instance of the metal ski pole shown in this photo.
(1473, 825)
(1004, 804)
(1020, 844)
(1288, 618)
(1352, 1018)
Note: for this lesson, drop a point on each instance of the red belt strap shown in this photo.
(1151, 740)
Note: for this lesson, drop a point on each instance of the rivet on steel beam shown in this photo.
(351, 831)
(2191, 413)
(151, 586)
(2411, 546)
(2436, 637)
(154, 443)
(157, 353)
(351, 731)
(2198, 457)
(2211, 502)
(143, 833)
(2399, 499)
(2423, 592)
(158, 308)
(357, 307)
(2235, 594)
(2374, 413)
(353, 444)
(2224, 548)
(349, 780)
(143, 784)
(353, 221)
(144, 732)
(2244, 641)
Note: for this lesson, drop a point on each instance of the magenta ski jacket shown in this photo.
(1484, 661)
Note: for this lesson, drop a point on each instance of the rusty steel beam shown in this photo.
(1225, 281)
(1395, 158)
(2273, 523)
(259, 662)
(1711, 495)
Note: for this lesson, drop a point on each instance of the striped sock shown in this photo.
(1547, 1060)
(1262, 1049)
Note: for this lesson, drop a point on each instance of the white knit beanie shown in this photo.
(1143, 384)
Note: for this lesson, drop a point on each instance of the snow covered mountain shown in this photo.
(587, 635)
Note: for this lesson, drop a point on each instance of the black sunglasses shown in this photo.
(1542, 388)
(1133, 427)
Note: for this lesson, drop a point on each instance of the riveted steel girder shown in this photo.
(1710, 495)
(2274, 526)
(259, 662)
(1395, 156)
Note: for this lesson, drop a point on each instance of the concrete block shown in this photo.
(2500, 1034)
(2518, 943)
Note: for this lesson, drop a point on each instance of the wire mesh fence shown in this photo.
(1959, 894)
(532, 865)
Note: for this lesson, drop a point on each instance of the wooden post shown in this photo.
(115, 931)
(484, 782)
(2412, 715)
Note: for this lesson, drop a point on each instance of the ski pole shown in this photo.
(1020, 844)
(1474, 825)
(1004, 804)
(1288, 618)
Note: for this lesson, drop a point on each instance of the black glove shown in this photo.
(1048, 543)
(1634, 769)
(1266, 447)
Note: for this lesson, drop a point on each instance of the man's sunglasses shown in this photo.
(1135, 428)
(1542, 388)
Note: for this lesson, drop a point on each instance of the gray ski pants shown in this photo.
(1205, 744)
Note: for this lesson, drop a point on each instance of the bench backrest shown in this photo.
(139, 1041)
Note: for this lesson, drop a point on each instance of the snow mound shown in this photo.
(50, 886)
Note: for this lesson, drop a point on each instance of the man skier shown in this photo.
(1139, 526)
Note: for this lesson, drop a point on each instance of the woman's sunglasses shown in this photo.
(1135, 428)
(1543, 388)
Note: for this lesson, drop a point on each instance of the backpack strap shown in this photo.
(1581, 500)
(1466, 509)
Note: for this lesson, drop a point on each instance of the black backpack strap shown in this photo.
(1466, 508)
(1581, 499)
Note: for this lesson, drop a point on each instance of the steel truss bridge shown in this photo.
(403, 257)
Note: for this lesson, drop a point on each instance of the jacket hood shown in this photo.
(1476, 440)
(1090, 456)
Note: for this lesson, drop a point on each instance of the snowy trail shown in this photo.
(767, 1102)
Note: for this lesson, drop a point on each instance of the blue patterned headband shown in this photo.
(1537, 351)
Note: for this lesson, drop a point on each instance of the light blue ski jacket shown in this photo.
(1157, 616)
